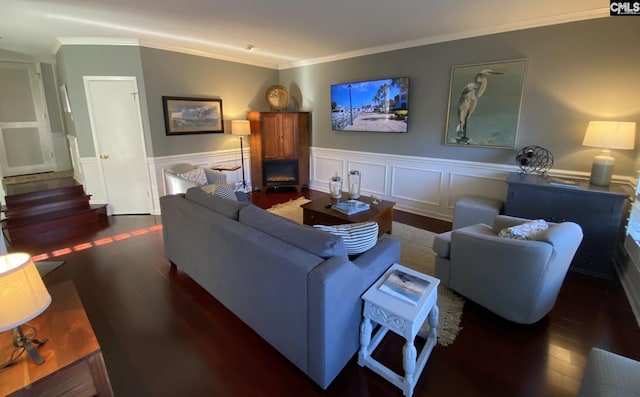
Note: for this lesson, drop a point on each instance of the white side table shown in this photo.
(403, 318)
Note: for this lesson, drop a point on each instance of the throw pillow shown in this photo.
(225, 191)
(525, 231)
(357, 237)
(196, 175)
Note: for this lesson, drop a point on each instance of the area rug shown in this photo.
(415, 253)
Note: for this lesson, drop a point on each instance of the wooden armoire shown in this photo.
(279, 149)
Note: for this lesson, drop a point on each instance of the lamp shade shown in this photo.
(610, 134)
(240, 127)
(23, 295)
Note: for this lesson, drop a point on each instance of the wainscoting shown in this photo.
(420, 185)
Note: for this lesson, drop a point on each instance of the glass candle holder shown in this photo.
(335, 187)
(354, 184)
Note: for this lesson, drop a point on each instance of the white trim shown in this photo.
(62, 41)
(421, 185)
(520, 25)
(508, 27)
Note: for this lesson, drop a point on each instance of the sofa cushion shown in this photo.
(317, 242)
(357, 237)
(196, 175)
(215, 177)
(525, 231)
(228, 208)
(225, 191)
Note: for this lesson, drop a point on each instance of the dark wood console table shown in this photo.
(600, 211)
(73, 361)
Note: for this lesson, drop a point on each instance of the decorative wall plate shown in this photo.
(277, 96)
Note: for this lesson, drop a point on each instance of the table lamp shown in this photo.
(241, 128)
(23, 297)
(608, 135)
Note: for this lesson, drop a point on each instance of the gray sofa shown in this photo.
(292, 284)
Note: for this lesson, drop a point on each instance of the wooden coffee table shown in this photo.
(319, 212)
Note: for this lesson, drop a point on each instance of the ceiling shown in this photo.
(285, 33)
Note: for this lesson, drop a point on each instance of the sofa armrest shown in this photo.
(442, 244)
(335, 307)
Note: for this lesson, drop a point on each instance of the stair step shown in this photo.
(9, 223)
(22, 194)
(59, 222)
(45, 205)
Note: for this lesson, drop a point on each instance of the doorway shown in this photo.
(25, 137)
(116, 125)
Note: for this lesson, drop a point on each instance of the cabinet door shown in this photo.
(270, 129)
(288, 135)
(279, 135)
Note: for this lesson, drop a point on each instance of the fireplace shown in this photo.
(279, 173)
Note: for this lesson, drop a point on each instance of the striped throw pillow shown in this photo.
(357, 237)
(225, 191)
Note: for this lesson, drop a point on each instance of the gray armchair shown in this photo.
(516, 279)
(175, 184)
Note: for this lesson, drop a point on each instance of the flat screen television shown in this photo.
(372, 106)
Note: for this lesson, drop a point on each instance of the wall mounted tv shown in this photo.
(372, 106)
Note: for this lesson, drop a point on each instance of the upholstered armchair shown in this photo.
(181, 177)
(516, 279)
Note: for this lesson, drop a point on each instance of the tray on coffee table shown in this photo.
(319, 212)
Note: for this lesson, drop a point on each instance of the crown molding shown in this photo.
(62, 41)
(510, 27)
(520, 25)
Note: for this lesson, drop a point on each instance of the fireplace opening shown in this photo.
(280, 172)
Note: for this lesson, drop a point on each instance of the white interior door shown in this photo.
(25, 137)
(116, 124)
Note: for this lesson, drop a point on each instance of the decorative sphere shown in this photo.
(534, 159)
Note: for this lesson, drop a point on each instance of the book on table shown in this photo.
(564, 182)
(404, 286)
(350, 207)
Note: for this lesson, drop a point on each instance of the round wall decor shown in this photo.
(277, 97)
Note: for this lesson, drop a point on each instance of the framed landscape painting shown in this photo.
(192, 115)
(484, 104)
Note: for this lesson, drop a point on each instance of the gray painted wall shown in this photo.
(51, 97)
(241, 88)
(74, 62)
(576, 72)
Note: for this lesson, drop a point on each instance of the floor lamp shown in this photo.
(241, 128)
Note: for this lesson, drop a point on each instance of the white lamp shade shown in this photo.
(610, 135)
(23, 295)
(240, 127)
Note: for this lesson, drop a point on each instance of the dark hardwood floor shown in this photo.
(163, 335)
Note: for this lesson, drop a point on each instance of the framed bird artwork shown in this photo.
(484, 104)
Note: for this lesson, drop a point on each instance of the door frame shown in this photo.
(86, 81)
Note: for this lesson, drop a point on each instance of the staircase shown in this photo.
(48, 210)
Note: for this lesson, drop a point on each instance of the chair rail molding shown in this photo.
(421, 185)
